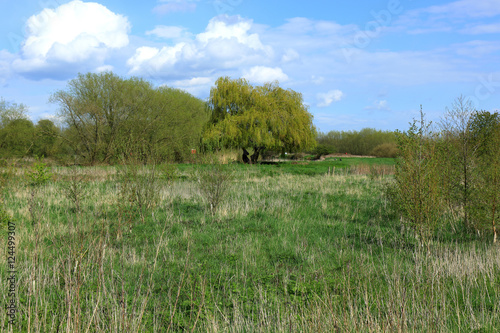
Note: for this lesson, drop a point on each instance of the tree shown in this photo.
(16, 130)
(261, 117)
(47, 138)
(110, 118)
(97, 107)
(180, 119)
(17, 137)
(363, 142)
(460, 162)
(485, 198)
(10, 112)
(416, 193)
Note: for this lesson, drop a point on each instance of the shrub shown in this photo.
(388, 149)
(323, 149)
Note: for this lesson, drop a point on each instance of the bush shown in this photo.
(323, 149)
(297, 156)
(388, 149)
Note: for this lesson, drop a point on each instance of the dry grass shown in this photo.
(74, 276)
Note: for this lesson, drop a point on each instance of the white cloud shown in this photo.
(326, 99)
(262, 74)
(74, 33)
(230, 28)
(169, 32)
(226, 43)
(197, 86)
(196, 81)
(104, 68)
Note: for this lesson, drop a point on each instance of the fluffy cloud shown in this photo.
(262, 74)
(326, 99)
(226, 43)
(72, 35)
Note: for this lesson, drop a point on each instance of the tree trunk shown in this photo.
(255, 155)
(245, 158)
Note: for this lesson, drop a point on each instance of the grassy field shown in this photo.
(295, 247)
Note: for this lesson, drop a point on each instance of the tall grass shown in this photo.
(287, 252)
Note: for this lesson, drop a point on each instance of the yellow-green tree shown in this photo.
(260, 117)
(16, 130)
(416, 193)
(485, 197)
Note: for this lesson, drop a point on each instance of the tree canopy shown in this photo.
(260, 117)
(109, 117)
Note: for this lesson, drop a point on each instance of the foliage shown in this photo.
(261, 117)
(357, 143)
(39, 174)
(17, 137)
(48, 140)
(417, 195)
(109, 118)
(11, 111)
(461, 152)
(485, 196)
(388, 149)
(322, 149)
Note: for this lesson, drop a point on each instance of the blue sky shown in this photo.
(358, 64)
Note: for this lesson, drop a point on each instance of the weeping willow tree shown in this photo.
(257, 118)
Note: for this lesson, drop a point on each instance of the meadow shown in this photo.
(293, 247)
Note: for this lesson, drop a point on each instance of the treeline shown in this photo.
(107, 119)
(449, 178)
(20, 137)
(366, 142)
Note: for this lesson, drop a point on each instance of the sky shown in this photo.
(358, 64)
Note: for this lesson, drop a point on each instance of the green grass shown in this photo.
(294, 247)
